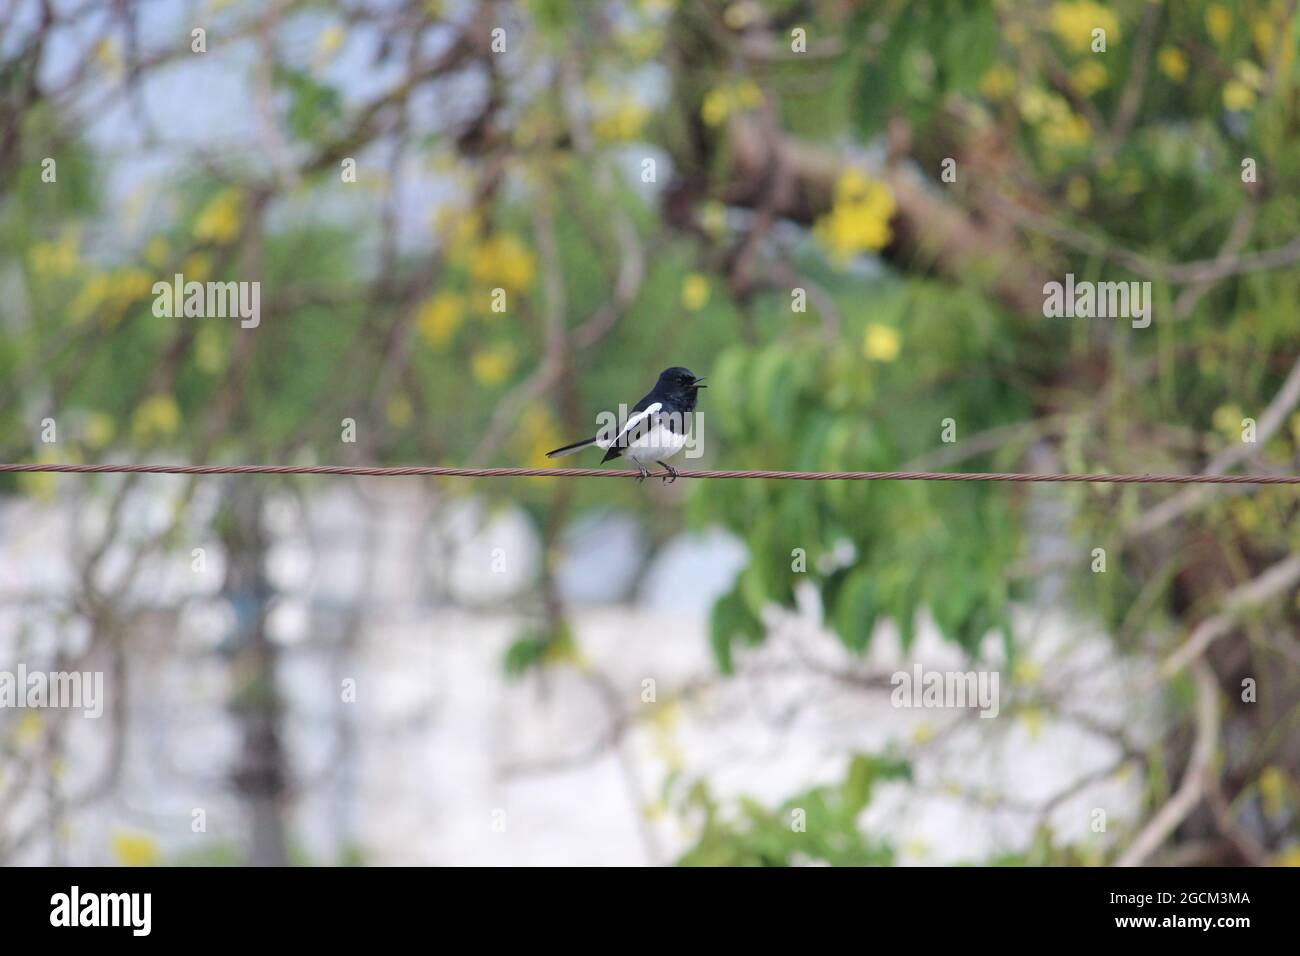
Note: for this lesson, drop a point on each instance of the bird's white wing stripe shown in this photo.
(631, 423)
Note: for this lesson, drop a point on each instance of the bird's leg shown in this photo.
(671, 471)
(645, 472)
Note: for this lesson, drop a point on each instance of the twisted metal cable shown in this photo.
(449, 472)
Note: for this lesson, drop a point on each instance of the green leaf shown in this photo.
(855, 611)
(727, 392)
(524, 654)
(770, 391)
(857, 785)
(730, 619)
(313, 107)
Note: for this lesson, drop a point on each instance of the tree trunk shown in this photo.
(259, 775)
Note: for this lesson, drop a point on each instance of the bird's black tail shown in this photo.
(576, 447)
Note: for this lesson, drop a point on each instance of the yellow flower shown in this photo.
(156, 251)
(537, 433)
(28, 728)
(741, 14)
(622, 123)
(1245, 514)
(998, 82)
(459, 230)
(90, 298)
(1026, 672)
(98, 430)
(1238, 96)
(134, 849)
(210, 352)
(715, 108)
(1089, 77)
(1218, 22)
(859, 216)
(1037, 104)
(220, 219)
(108, 56)
(881, 342)
(197, 267)
(440, 317)
(329, 42)
(643, 44)
(158, 416)
(502, 261)
(1066, 133)
(38, 485)
(1173, 63)
(1033, 721)
(713, 218)
(113, 292)
(1227, 420)
(748, 95)
(695, 292)
(665, 718)
(56, 258)
(1273, 787)
(1262, 34)
(916, 848)
(1250, 74)
(130, 285)
(565, 650)
(399, 411)
(1074, 23)
(1077, 192)
(721, 101)
(42, 485)
(492, 366)
(1263, 31)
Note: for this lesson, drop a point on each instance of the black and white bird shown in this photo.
(655, 429)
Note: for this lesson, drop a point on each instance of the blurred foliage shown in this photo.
(811, 407)
(819, 825)
(1134, 154)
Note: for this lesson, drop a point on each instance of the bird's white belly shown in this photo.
(658, 444)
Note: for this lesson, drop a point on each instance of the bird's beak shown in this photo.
(696, 383)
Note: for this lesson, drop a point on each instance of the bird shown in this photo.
(655, 429)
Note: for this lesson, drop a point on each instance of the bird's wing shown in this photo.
(636, 423)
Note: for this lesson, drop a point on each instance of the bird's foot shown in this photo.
(645, 472)
(672, 472)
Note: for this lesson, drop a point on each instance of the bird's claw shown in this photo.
(669, 478)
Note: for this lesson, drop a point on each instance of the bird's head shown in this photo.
(680, 381)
